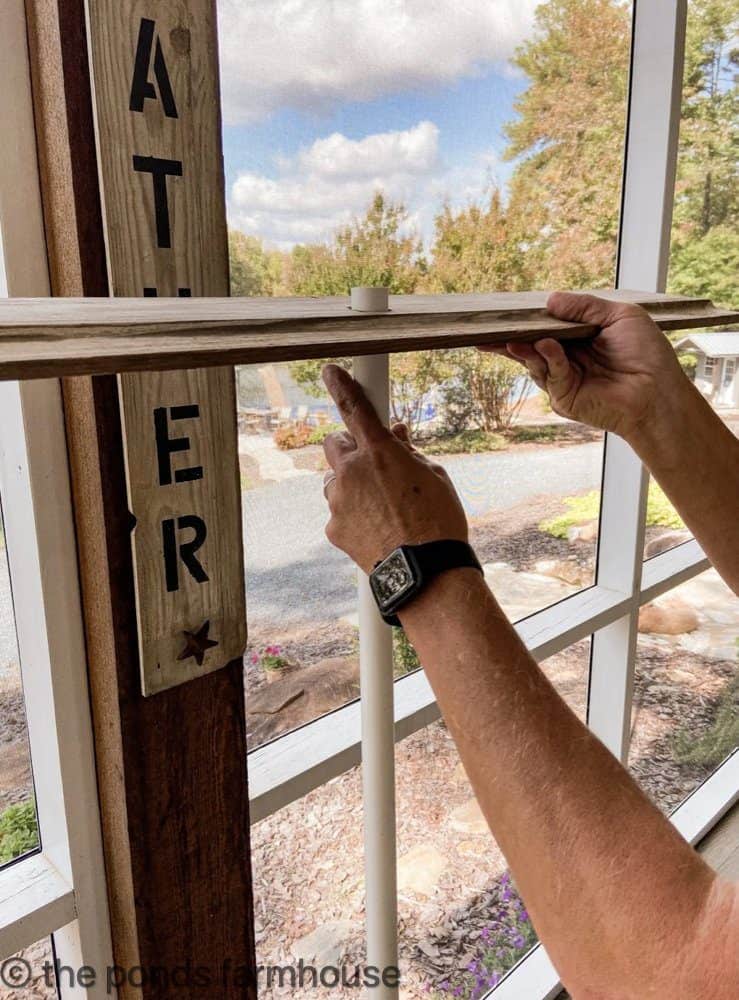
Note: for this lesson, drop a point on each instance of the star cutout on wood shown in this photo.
(197, 643)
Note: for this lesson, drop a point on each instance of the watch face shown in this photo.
(392, 579)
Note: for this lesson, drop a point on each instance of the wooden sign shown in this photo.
(155, 71)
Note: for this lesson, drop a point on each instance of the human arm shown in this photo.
(624, 906)
(627, 380)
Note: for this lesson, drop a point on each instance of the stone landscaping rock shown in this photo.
(324, 945)
(460, 774)
(468, 818)
(670, 617)
(562, 569)
(300, 696)
(471, 847)
(583, 532)
(420, 868)
(664, 542)
(520, 594)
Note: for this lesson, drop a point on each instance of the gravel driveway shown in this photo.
(294, 576)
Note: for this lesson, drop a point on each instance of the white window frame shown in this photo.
(61, 889)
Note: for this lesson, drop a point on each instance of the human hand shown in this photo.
(614, 381)
(381, 492)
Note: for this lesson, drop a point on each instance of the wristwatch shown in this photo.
(399, 577)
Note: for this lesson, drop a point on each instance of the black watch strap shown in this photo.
(433, 558)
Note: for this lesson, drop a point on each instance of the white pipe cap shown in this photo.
(370, 299)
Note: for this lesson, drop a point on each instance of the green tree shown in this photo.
(567, 141)
(704, 257)
(473, 250)
(376, 249)
(254, 270)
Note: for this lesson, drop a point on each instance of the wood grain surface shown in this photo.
(40, 338)
(159, 135)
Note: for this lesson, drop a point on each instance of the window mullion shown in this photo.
(655, 85)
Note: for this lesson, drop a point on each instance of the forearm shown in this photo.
(695, 458)
(598, 866)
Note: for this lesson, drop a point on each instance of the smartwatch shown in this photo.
(399, 577)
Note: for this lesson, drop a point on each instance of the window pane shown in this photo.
(685, 718)
(29, 975)
(309, 870)
(18, 826)
(447, 150)
(302, 656)
(704, 251)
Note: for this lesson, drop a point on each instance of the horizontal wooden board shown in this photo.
(42, 338)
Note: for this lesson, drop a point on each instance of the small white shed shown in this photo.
(717, 368)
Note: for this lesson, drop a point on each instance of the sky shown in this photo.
(325, 101)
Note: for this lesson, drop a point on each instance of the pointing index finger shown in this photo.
(356, 410)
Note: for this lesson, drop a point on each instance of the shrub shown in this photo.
(319, 434)
(405, 658)
(484, 389)
(533, 432)
(720, 739)
(585, 508)
(659, 509)
(292, 436)
(505, 939)
(18, 831)
(465, 443)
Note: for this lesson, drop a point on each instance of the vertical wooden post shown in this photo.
(171, 768)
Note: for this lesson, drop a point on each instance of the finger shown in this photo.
(356, 410)
(556, 361)
(535, 363)
(403, 435)
(582, 308)
(337, 446)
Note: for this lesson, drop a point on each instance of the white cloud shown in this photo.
(413, 151)
(311, 54)
(330, 182)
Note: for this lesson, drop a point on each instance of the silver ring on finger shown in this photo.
(328, 480)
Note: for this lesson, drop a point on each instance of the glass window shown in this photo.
(18, 825)
(462, 923)
(30, 974)
(685, 716)
(369, 160)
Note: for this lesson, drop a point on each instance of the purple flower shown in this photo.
(518, 941)
(506, 894)
(524, 915)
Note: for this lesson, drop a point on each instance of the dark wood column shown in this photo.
(171, 768)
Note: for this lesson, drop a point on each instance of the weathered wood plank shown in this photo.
(41, 338)
(159, 134)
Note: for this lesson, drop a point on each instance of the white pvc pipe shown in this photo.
(378, 739)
